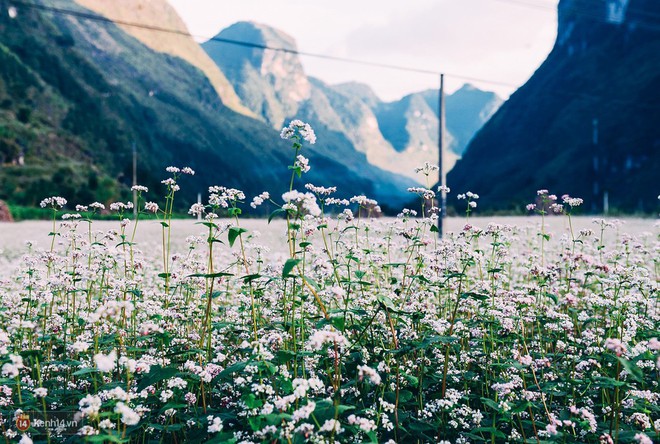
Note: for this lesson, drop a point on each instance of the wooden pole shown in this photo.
(441, 133)
(135, 202)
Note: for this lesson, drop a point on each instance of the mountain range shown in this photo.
(80, 86)
(395, 136)
(586, 122)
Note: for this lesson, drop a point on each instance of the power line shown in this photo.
(99, 18)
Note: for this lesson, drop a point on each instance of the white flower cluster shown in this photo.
(40, 392)
(151, 207)
(215, 424)
(221, 196)
(128, 415)
(304, 411)
(171, 184)
(55, 202)
(471, 198)
(321, 191)
(301, 387)
(197, 209)
(303, 163)
(90, 405)
(365, 424)
(105, 363)
(370, 373)
(206, 374)
(328, 335)
(258, 200)
(331, 425)
(363, 201)
(572, 201)
(304, 203)
(468, 195)
(121, 206)
(422, 192)
(303, 129)
(615, 345)
(13, 368)
(112, 310)
(176, 170)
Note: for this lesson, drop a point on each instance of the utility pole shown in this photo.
(135, 202)
(441, 135)
(596, 166)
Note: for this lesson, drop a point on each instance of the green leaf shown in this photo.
(553, 297)
(251, 401)
(207, 224)
(105, 438)
(157, 374)
(412, 380)
(325, 409)
(632, 369)
(210, 275)
(492, 404)
(605, 382)
(233, 234)
(250, 277)
(238, 367)
(289, 266)
(85, 371)
(521, 407)
(405, 395)
(491, 430)
(338, 322)
(284, 356)
(477, 296)
(214, 295)
(385, 301)
(312, 283)
(275, 213)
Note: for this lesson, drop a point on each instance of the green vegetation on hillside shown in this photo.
(76, 94)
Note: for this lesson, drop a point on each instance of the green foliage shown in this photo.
(88, 105)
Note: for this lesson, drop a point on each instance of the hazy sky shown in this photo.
(498, 40)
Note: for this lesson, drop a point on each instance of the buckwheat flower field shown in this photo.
(317, 328)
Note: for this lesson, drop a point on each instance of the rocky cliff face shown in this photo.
(270, 83)
(601, 81)
(159, 14)
(396, 136)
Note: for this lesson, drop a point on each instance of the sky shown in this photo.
(502, 41)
